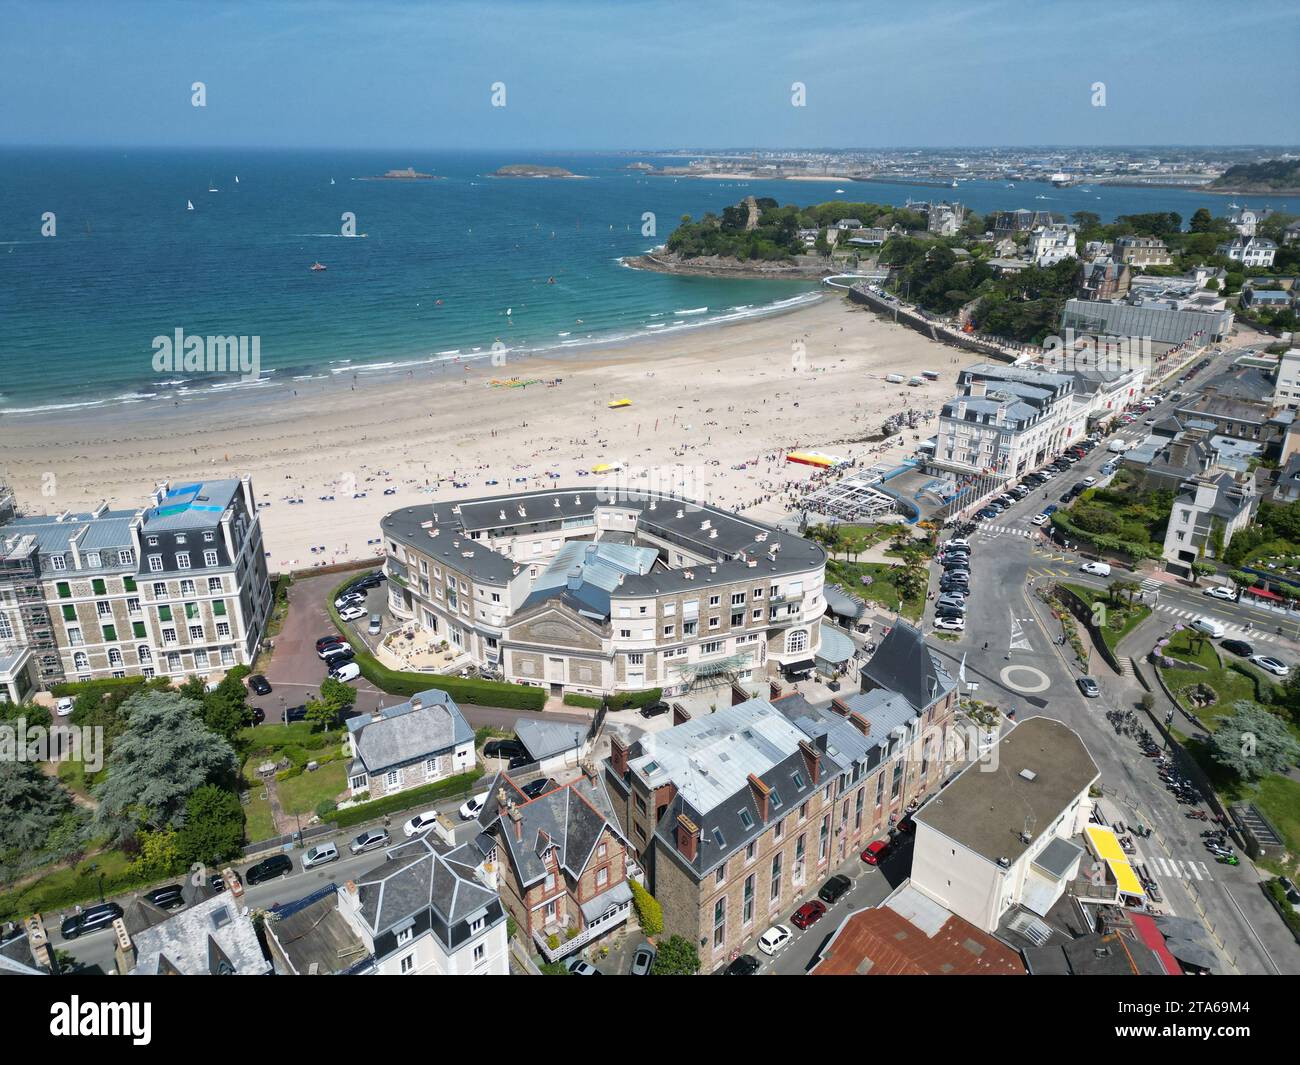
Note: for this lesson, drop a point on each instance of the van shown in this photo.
(1097, 569)
(376, 625)
(1209, 626)
(895, 378)
(347, 671)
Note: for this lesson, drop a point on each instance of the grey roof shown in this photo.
(316, 934)
(416, 876)
(841, 603)
(110, 530)
(588, 572)
(546, 738)
(835, 646)
(1058, 857)
(16, 957)
(209, 938)
(903, 663)
(990, 803)
(619, 895)
(427, 724)
(194, 505)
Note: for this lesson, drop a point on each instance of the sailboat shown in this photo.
(331, 181)
(212, 187)
(236, 179)
(189, 205)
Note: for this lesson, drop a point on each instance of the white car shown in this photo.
(1220, 591)
(63, 707)
(774, 939)
(1097, 569)
(1209, 626)
(351, 599)
(420, 823)
(347, 671)
(1090, 481)
(1038, 519)
(951, 624)
(471, 808)
(958, 542)
(1278, 669)
(352, 613)
(333, 649)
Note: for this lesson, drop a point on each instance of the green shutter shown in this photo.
(110, 634)
(164, 613)
(219, 608)
(98, 585)
(65, 590)
(138, 628)
(191, 610)
(69, 612)
(128, 583)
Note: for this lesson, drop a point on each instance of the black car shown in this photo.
(654, 709)
(745, 965)
(259, 684)
(165, 898)
(91, 919)
(259, 715)
(269, 869)
(503, 749)
(519, 761)
(949, 611)
(536, 788)
(339, 658)
(295, 713)
(1237, 647)
(834, 889)
(370, 580)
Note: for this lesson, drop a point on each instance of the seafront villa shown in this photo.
(176, 588)
(590, 591)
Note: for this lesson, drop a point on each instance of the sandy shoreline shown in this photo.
(703, 403)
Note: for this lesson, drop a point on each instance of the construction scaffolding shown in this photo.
(856, 497)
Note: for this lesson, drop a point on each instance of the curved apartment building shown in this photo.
(588, 591)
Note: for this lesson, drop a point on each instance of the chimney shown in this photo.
(680, 715)
(860, 723)
(573, 579)
(38, 942)
(518, 820)
(761, 792)
(618, 755)
(810, 760)
(589, 771)
(978, 388)
(377, 714)
(840, 707)
(688, 837)
(350, 887)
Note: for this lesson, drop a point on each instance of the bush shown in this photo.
(591, 702)
(677, 957)
(648, 910)
(325, 809)
(553, 941)
(406, 800)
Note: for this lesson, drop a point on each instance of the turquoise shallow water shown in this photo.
(79, 311)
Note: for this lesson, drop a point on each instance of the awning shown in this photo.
(842, 604)
(803, 666)
(617, 896)
(1107, 848)
(1264, 593)
(835, 648)
(1153, 938)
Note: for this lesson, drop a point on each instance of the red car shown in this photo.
(876, 851)
(808, 913)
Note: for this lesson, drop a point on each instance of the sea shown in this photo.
(418, 273)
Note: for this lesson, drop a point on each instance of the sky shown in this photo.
(644, 74)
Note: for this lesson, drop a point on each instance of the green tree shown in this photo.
(34, 805)
(553, 968)
(164, 755)
(321, 715)
(214, 826)
(676, 957)
(1251, 742)
(648, 911)
(225, 711)
(159, 854)
(339, 695)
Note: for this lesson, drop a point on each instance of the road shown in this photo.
(1011, 658)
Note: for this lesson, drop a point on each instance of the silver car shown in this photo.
(319, 855)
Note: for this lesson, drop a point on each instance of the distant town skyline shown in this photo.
(585, 77)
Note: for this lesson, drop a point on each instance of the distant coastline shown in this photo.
(663, 262)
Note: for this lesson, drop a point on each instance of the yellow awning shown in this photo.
(620, 403)
(1106, 846)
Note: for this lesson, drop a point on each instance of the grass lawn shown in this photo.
(258, 822)
(1231, 681)
(881, 590)
(1121, 619)
(303, 793)
(60, 888)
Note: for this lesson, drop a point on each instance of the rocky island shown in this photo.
(531, 170)
(408, 174)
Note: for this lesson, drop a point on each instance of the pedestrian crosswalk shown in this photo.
(1184, 869)
(1048, 571)
(992, 531)
(1238, 632)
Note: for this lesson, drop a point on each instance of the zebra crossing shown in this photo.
(1239, 632)
(992, 532)
(1174, 868)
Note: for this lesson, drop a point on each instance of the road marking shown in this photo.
(1041, 682)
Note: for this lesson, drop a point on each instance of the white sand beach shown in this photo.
(709, 401)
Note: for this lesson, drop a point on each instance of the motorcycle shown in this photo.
(1198, 815)
(1228, 859)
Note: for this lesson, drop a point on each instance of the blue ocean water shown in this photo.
(445, 268)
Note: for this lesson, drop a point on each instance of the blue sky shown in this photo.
(646, 74)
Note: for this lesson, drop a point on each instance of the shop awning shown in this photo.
(802, 666)
(1106, 847)
(835, 647)
(1264, 593)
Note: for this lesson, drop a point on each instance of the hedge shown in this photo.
(1289, 916)
(407, 800)
(476, 692)
(617, 701)
(648, 910)
(99, 687)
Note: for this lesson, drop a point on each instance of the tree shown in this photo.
(677, 957)
(321, 715)
(159, 855)
(1251, 742)
(225, 711)
(34, 805)
(214, 826)
(164, 755)
(553, 968)
(339, 695)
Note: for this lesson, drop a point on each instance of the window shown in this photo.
(114, 657)
(625, 634)
(110, 634)
(480, 952)
(779, 830)
(155, 564)
(97, 585)
(670, 631)
(64, 590)
(714, 622)
(636, 659)
(823, 838)
(746, 819)
(776, 799)
(689, 627)
(145, 654)
(720, 875)
(153, 541)
(80, 661)
(208, 537)
(758, 593)
(602, 876)
(407, 964)
(180, 538)
(169, 635)
(776, 877)
(223, 628)
(137, 629)
(747, 901)
(187, 587)
(196, 632)
(431, 767)
(104, 608)
(126, 558)
(69, 612)
(6, 628)
(719, 922)
(714, 600)
(133, 606)
(405, 936)
(182, 560)
(160, 590)
(796, 640)
(390, 778)
(58, 562)
(758, 615)
(210, 558)
(711, 648)
(751, 852)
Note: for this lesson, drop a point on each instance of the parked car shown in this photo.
(420, 823)
(259, 684)
(376, 625)
(958, 541)
(369, 840)
(578, 967)
(1220, 591)
(1108, 469)
(91, 919)
(259, 715)
(1097, 569)
(349, 600)
(217, 881)
(333, 649)
(654, 709)
(295, 713)
(1089, 687)
(745, 965)
(324, 641)
(269, 869)
(1209, 626)
(347, 671)
(876, 852)
(808, 914)
(537, 787)
(948, 623)
(774, 939)
(835, 889)
(1273, 665)
(472, 806)
(986, 513)
(642, 959)
(1039, 519)
(503, 749)
(320, 855)
(352, 613)
(1238, 647)
(165, 898)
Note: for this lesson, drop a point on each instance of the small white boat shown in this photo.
(839, 190)
(189, 206)
(236, 179)
(331, 181)
(213, 188)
